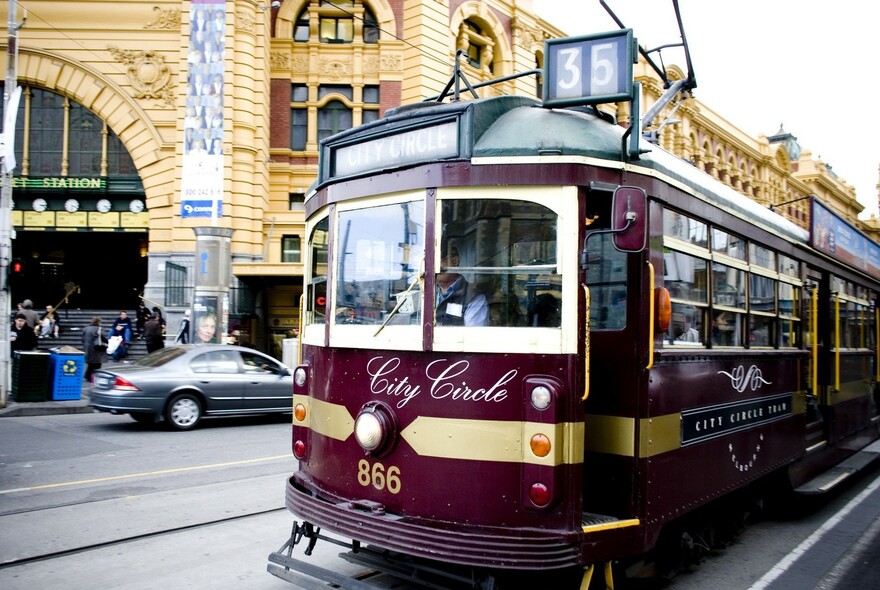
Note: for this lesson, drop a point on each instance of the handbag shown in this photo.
(113, 344)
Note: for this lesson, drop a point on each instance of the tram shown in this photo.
(529, 348)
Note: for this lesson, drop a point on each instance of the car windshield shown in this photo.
(161, 356)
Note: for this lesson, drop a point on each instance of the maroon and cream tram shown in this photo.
(623, 341)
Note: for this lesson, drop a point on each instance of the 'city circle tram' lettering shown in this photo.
(701, 424)
(448, 382)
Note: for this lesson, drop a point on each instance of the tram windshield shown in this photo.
(379, 262)
(494, 261)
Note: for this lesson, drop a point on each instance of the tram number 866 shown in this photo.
(379, 477)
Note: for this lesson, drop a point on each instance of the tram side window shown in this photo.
(789, 315)
(762, 310)
(498, 264)
(317, 290)
(686, 278)
(606, 277)
(729, 304)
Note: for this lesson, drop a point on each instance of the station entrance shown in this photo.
(99, 270)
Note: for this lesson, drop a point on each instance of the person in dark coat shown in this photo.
(153, 334)
(143, 314)
(21, 335)
(93, 348)
(121, 327)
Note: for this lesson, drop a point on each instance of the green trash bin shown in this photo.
(30, 376)
(67, 366)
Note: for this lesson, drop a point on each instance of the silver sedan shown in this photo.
(181, 384)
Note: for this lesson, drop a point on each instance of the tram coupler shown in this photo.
(283, 565)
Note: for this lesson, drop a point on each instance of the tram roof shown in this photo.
(517, 126)
(527, 131)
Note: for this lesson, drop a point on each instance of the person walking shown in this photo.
(94, 346)
(21, 335)
(31, 316)
(183, 334)
(153, 334)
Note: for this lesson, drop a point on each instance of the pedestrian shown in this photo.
(121, 327)
(31, 316)
(49, 326)
(158, 312)
(153, 334)
(22, 336)
(94, 345)
(143, 314)
(183, 334)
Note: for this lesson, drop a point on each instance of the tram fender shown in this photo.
(311, 577)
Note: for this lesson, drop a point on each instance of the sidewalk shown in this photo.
(70, 406)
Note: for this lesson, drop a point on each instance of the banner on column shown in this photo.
(202, 175)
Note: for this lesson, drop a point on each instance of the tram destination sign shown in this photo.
(590, 69)
(430, 142)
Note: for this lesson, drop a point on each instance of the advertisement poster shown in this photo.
(205, 320)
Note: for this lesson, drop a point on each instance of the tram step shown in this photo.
(826, 481)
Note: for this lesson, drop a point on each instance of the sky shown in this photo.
(808, 65)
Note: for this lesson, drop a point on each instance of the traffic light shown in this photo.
(16, 271)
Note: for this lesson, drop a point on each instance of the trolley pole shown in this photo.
(7, 165)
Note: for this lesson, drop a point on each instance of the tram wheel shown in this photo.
(183, 412)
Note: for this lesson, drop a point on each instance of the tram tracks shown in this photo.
(134, 538)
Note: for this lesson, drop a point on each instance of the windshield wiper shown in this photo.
(400, 301)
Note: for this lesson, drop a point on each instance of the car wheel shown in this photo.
(183, 412)
(144, 418)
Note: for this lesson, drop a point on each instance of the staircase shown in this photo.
(72, 322)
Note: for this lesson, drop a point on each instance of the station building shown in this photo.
(143, 125)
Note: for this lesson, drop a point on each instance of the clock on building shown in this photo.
(104, 205)
(136, 206)
(71, 205)
(40, 205)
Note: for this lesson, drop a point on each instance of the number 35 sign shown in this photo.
(589, 70)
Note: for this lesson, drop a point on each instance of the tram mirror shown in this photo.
(629, 218)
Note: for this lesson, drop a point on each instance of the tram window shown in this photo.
(318, 274)
(685, 228)
(686, 327)
(379, 262)
(727, 328)
(510, 269)
(789, 314)
(728, 286)
(788, 266)
(762, 293)
(762, 330)
(788, 332)
(762, 256)
(728, 244)
(606, 277)
(686, 277)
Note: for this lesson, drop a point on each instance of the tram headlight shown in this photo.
(375, 428)
(541, 397)
(300, 376)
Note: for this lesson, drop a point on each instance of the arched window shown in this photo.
(371, 26)
(301, 26)
(336, 22)
(333, 118)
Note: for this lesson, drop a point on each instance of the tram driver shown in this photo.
(458, 302)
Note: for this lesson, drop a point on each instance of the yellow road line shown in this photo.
(146, 474)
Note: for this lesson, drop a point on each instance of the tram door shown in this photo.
(815, 330)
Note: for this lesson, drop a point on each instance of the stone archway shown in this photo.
(108, 101)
